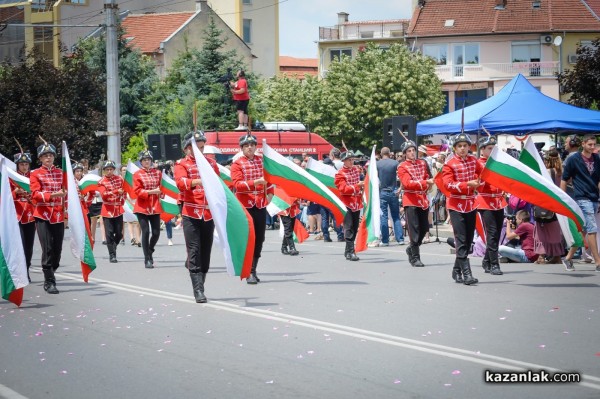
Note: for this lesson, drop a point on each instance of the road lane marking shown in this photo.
(496, 362)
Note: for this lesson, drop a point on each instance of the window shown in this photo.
(439, 52)
(248, 2)
(76, 1)
(367, 34)
(526, 51)
(338, 53)
(464, 54)
(247, 30)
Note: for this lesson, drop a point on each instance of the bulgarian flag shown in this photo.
(225, 175)
(89, 183)
(168, 186)
(531, 157)
(18, 179)
(81, 243)
(514, 177)
(233, 223)
(299, 183)
(280, 202)
(13, 267)
(300, 234)
(324, 173)
(128, 183)
(369, 228)
(169, 207)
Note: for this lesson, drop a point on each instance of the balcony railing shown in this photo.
(388, 30)
(450, 73)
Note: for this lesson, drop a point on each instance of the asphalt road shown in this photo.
(317, 326)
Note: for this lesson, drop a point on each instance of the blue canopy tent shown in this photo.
(519, 108)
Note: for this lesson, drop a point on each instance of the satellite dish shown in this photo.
(557, 41)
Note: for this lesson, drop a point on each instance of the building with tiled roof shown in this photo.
(163, 36)
(298, 67)
(480, 45)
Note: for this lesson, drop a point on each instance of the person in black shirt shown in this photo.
(386, 169)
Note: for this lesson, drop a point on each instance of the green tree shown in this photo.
(357, 94)
(58, 104)
(583, 80)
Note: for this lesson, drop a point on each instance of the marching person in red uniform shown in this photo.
(253, 191)
(113, 197)
(146, 185)
(416, 179)
(197, 221)
(288, 218)
(490, 204)
(48, 196)
(24, 208)
(85, 199)
(347, 180)
(460, 176)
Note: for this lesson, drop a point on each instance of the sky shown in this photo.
(299, 20)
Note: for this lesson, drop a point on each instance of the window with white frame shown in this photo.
(336, 54)
(526, 51)
(466, 54)
(439, 52)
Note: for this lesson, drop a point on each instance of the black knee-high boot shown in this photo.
(198, 286)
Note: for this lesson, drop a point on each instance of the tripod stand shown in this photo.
(436, 200)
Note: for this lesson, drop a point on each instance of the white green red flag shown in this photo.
(299, 183)
(128, 183)
(531, 157)
(514, 177)
(170, 208)
(19, 180)
(233, 223)
(81, 243)
(9, 164)
(324, 173)
(89, 183)
(299, 234)
(13, 268)
(369, 228)
(225, 175)
(280, 202)
(168, 186)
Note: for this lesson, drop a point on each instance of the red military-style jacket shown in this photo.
(112, 205)
(243, 173)
(144, 180)
(193, 198)
(413, 176)
(455, 175)
(293, 210)
(43, 182)
(346, 180)
(23, 204)
(488, 196)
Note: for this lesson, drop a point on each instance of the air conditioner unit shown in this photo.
(573, 58)
(546, 39)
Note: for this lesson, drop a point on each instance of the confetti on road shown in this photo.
(542, 346)
(456, 372)
(269, 382)
(64, 372)
(397, 382)
(502, 318)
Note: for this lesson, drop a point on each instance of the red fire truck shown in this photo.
(285, 142)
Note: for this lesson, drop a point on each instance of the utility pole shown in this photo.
(113, 117)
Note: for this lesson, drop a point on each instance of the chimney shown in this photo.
(342, 17)
(200, 4)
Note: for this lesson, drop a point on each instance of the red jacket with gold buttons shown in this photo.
(455, 175)
(346, 180)
(293, 210)
(243, 173)
(194, 198)
(144, 180)
(488, 196)
(413, 176)
(23, 204)
(43, 182)
(112, 205)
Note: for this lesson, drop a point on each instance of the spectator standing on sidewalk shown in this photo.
(386, 169)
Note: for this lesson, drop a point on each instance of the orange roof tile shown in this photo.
(595, 6)
(285, 61)
(147, 31)
(480, 17)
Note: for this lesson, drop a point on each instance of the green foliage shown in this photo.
(194, 76)
(357, 94)
(136, 144)
(583, 80)
(58, 104)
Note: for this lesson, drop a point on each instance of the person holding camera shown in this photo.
(241, 96)
(521, 229)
